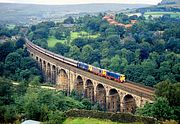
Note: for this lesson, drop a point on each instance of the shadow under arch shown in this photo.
(129, 104)
(79, 86)
(89, 90)
(101, 96)
(113, 101)
(62, 80)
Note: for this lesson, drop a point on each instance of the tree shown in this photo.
(41, 42)
(12, 62)
(134, 73)
(61, 48)
(150, 81)
(35, 81)
(5, 91)
(87, 52)
(69, 20)
(5, 49)
(74, 52)
(173, 44)
(79, 42)
(164, 71)
(87, 104)
(20, 43)
(10, 113)
(110, 31)
(144, 54)
(114, 40)
(105, 63)
(159, 46)
(93, 24)
(27, 63)
(59, 34)
(169, 91)
(115, 63)
(105, 53)
(160, 109)
(1, 68)
(176, 71)
(56, 117)
(40, 33)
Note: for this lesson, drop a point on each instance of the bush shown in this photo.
(56, 117)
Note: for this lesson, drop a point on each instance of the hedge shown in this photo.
(116, 117)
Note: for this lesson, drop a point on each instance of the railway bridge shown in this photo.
(111, 95)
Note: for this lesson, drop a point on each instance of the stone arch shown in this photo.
(32, 55)
(44, 69)
(48, 72)
(53, 73)
(62, 80)
(113, 101)
(40, 63)
(37, 58)
(79, 85)
(44, 65)
(129, 104)
(89, 90)
(101, 96)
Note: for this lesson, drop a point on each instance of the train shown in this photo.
(98, 71)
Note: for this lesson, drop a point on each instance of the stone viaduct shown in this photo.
(111, 95)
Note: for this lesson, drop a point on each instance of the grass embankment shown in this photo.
(92, 121)
(52, 40)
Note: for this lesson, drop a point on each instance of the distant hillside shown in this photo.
(164, 6)
(25, 13)
(170, 2)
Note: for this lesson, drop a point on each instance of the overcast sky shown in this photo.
(81, 1)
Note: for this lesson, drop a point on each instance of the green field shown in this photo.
(158, 14)
(92, 121)
(10, 26)
(84, 34)
(52, 40)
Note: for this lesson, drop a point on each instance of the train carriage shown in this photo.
(95, 70)
(83, 66)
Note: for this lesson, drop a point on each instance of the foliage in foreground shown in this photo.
(166, 105)
(115, 117)
(91, 121)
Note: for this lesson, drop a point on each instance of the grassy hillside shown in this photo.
(52, 40)
(91, 121)
(170, 2)
(158, 14)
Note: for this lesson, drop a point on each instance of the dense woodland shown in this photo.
(147, 53)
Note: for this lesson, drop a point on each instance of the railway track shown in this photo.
(139, 87)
